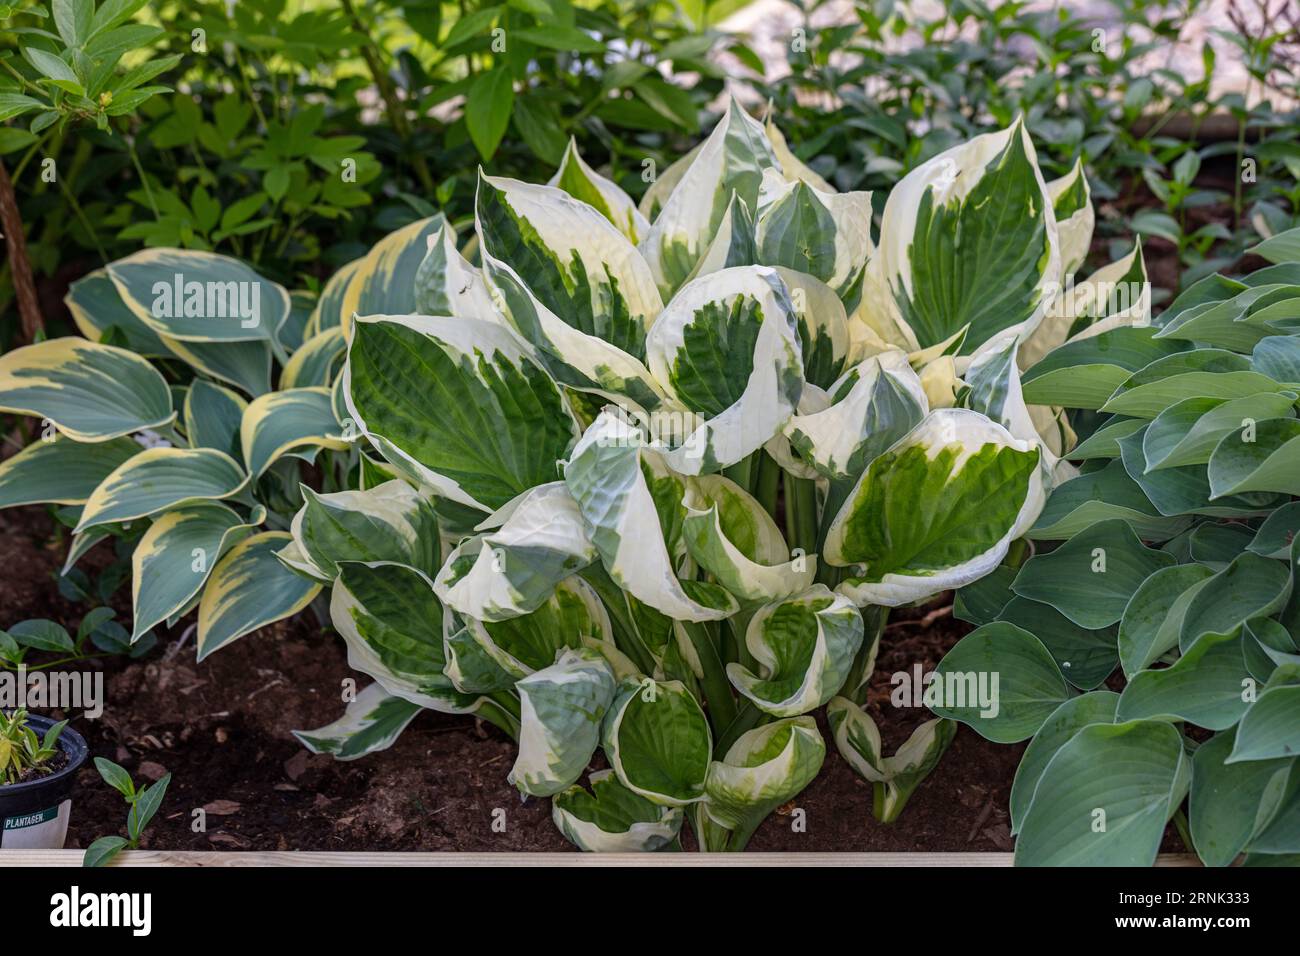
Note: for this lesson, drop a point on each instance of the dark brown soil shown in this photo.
(222, 729)
(53, 765)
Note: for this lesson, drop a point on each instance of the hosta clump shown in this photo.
(1177, 568)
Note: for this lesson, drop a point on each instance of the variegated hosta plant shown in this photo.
(162, 430)
(683, 457)
(1177, 567)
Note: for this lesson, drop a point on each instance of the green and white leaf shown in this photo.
(371, 723)
(582, 182)
(658, 741)
(446, 284)
(96, 308)
(1072, 206)
(896, 777)
(278, 422)
(612, 819)
(159, 478)
(764, 768)
(61, 471)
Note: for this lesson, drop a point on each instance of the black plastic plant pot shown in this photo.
(34, 814)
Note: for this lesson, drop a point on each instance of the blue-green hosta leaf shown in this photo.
(246, 365)
(462, 402)
(1101, 495)
(1105, 796)
(1072, 205)
(1230, 803)
(1186, 433)
(277, 422)
(250, 588)
(561, 710)
(936, 511)
(1085, 657)
(1186, 489)
(446, 284)
(1278, 357)
(612, 819)
(968, 240)
(1154, 616)
(582, 182)
(571, 258)
(212, 414)
(1280, 528)
(370, 724)
(96, 308)
(540, 541)
(658, 741)
(389, 522)
(731, 161)
(91, 392)
(763, 769)
(571, 617)
(896, 778)
(193, 296)
(727, 349)
(1000, 681)
(1237, 323)
(731, 536)
(383, 282)
(157, 479)
(1104, 442)
(1147, 399)
(1269, 728)
(328, 313)
(301, 305)
(1206, 686)
(1097, 707)
(804, 646)
(1267, 645)
(174, 559)
(610, 482)
(980, 602)
(1261, 456)
(1085, 372)
(1091, 577)
(826, 235)
(873, 405)
(316, 362)
(1251, 586)
(1216, 545)
(1281, 247)
(61, 471)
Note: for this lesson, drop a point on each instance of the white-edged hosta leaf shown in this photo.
(157, 479)
(804, 646)
(316, 361)
(1269, 727)
(97, 309)
(1204, 687)
(1259, 456)
(827, 339)
(938, 510)
(1091, 577)
(1105, 796)
(328, 313)
(383, 282)
(61, 471)
(652, 201)
(250, 588)
(730, 535)
(511, 570)
(389, 522)
(446, 284)
(195, 296)
(968, 240)
(561, 710)
(371, 723)
(608, 479)
(873, 405)
(212, 414)
(1153, 618)
(612, 819)
(764, 768)
(824, 234)
(246, 365)
(1097, 707)
(731, 161)
(658, 741)
(1072, 205)
(175, 557)
(582, 182)
(896, 777)
(277, 422)
(1229, 803)
(572, 259)
(461, 399)
(727, 348)
(91, 392)
(1000, 681)
(1187, 432)
(391, 621)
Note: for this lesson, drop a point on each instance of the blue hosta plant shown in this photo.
(1175, 571)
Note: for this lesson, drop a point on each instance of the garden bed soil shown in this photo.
(222, 729)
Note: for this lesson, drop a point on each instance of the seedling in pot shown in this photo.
(144, 804)
(24, 755)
